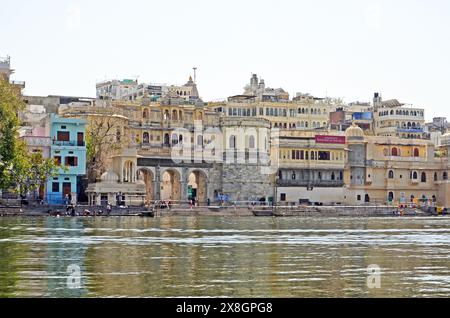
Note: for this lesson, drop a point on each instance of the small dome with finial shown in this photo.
(354, 132)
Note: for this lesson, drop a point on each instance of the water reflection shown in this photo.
(214, 256)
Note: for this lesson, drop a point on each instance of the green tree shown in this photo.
(18, 168)
(10, 149)
(38, 171)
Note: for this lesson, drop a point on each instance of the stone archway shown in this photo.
(197, 186)
(170, 185)
(147, 176)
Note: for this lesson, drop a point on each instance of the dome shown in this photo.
(109, 176)
(354, 131)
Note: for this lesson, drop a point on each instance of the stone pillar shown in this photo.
(157, 184)
(208, 191)
(184, 180)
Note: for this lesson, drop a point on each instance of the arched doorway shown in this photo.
(390, 196)
(197, 182)
(170, 185)
(147, 176)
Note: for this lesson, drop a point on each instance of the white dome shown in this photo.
(109, 176)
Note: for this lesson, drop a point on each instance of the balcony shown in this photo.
(310, 183)
(410, 130)
(71, 143)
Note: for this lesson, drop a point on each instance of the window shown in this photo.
(416, 152)
(358, 197)
(63, 136)
(445, 176)
(55, 186)
(166, 139)
(391, 196)
(251, 142)
(232, 142)
(394, 152)
(145, 137)
(414, 175)
(324, 155)
(58, 160)
(71, 161)
(199, 140)
(282, 196)
(423, 177)
(391, 174)
(366, 198)
(174, 139)
(435, 177)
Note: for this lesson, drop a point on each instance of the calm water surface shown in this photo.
(220, 256)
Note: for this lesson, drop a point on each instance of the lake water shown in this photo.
(224, 256)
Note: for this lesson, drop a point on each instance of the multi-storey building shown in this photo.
(68, 149)
(391, 169)
(304, 112)
(310, 167)
(395, 119)
(180, 151)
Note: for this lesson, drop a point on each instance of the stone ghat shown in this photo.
(324, 211)
(302, 211)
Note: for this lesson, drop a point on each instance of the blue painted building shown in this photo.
(68, 148)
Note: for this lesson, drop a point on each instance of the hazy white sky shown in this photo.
(345, 48)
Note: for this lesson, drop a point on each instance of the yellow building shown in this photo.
(311, 167)
(384, 169)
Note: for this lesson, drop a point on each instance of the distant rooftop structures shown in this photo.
(378, 102)
(131, 90)
(257, 91)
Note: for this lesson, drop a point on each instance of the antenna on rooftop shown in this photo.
(195, 74)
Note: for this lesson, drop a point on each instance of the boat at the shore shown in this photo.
(262, 213)
(150, 214)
